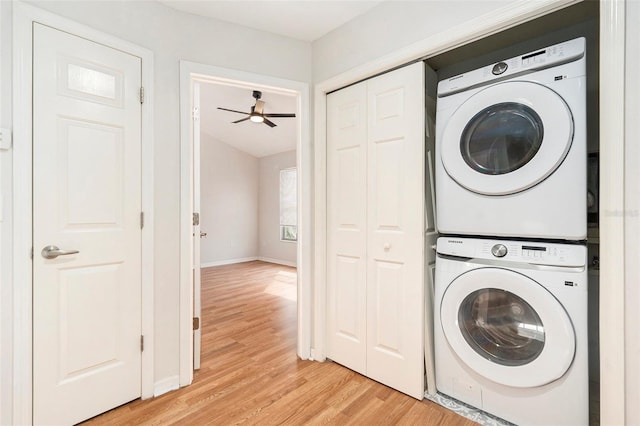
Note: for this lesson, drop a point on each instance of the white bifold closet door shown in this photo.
(376, 224)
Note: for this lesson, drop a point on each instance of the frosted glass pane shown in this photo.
(90, 81)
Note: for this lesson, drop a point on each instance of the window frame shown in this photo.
(283, 228)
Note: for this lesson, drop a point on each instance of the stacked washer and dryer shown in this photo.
(510, 317)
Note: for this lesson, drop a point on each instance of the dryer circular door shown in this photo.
(507, 138)
(507, 327)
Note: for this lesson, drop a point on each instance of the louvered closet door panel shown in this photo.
(395, 240)
(346, 227)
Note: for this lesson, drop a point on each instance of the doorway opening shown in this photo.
(230, 190)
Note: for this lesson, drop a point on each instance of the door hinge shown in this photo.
(141, 220)
(31, 253)
(141, 343)
(196, 324)
(196, 219)
(141, 95)
(195, 113)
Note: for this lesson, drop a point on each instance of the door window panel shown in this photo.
(501, 327)
(501, 138)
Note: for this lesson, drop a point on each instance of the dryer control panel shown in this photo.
(557, 54)
(538, 253)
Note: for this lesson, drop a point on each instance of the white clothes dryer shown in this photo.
(511, 147)
(510, 328)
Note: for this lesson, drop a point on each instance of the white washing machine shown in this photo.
(511, 147)
(510, 328)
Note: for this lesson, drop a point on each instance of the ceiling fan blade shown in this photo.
(233, 110)
(269, 123)
(240, 121)
(280, 115)
(259, 106)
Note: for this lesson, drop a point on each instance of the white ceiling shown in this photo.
(256, 139)
(305, 20)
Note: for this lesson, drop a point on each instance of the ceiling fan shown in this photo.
(257, 115)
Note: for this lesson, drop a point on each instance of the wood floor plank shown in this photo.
(250, 373)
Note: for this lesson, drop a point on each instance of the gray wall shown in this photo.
(240, 205)
(228, 203)
(271, 248)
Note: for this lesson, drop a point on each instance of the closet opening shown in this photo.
(579, 20)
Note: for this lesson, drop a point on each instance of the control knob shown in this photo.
(499, 68)
(499, 250)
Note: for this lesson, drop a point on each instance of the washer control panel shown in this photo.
(557, 54)
(539, 253)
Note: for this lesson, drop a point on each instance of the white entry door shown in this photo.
(86, 220)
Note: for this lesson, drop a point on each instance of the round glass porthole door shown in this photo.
(501, 326)
(506, 138)
(507, 327)
(501, 138)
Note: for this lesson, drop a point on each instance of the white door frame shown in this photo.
(612, 177)
(196, 245)
(23, 17)
(191, 71)
(615, 269)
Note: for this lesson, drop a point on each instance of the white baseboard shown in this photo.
(166, 385)
(278, 261)
(228, 261)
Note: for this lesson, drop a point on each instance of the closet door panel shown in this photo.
(346, 227)
(395, 231)
(387, 304)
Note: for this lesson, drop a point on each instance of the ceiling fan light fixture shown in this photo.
(257, 114)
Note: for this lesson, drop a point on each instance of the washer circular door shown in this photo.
(507, 138)
(507, 327)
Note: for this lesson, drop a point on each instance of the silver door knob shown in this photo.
(51, 252)
(203, 235)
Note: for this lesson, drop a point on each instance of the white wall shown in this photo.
(171, 36)
(228, 203)
(388, 28)
(270, 246)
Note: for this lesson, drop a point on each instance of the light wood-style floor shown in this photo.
(250, 372)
